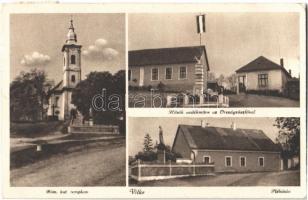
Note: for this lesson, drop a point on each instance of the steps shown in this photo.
(103, 130)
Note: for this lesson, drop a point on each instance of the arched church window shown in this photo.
(63, 60)
(73, 78)
(73, 59)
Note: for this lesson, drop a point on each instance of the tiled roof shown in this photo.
(215, 138)
(161, 56)
(58, 87)
(260, 64)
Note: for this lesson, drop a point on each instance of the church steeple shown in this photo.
(71, 35)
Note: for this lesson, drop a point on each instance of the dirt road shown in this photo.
(284, 178)
(251, 100)
(98, 164)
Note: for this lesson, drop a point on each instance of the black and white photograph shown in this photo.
(214, 151)
(67, 100)
(228, 59)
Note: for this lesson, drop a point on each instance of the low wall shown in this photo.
(98, 129)
(146, 172)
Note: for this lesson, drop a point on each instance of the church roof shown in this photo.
(176, 55)
(58, 87)
(261, 64)
(216, 138)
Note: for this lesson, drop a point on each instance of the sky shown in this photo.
(169, 126)
(231, 39)
(36, 41)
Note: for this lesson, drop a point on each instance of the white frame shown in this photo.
(226, 161)
(166, 73)
(152, 73)
(259, 161)
(241, 162)
(210, 160)
(180, 73)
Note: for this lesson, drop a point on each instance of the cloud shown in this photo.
(100, 51)
(35, 59)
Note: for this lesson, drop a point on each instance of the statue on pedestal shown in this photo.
(161, 148)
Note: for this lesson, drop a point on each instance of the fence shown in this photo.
(146, 172)
(194, 101)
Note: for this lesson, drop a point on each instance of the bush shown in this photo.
(149, 87)
(228, 92)
(146, 156)
(265, 92)
(161, 87)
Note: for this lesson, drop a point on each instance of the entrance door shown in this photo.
(206, 159)
(141, 78)
(241, 83)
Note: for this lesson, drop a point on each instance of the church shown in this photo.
(59, 103)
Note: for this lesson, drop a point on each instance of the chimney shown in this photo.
(203, 124)
(233, 126)
(281, 62)
(290, 72)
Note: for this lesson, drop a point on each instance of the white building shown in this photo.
(60, 95)
(262, 74)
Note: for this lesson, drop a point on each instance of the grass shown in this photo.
(36, 129)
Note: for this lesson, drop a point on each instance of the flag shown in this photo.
(201, 24)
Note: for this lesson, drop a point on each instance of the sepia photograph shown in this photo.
(228, 59)
(67, 100)
(214, 151)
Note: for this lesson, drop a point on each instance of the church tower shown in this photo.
(71, 69)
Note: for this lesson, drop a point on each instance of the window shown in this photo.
(207, 159)
(183, 73)
(261, 161)
(154, 74)
(228, 161)
(243, 161)
(73, 59)
(73, 78)
(168, 73)
(263, 80)
(129, 75)
(63, 60)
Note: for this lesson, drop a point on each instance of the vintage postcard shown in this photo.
(153, 101)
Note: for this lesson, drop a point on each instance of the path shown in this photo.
(251, 100)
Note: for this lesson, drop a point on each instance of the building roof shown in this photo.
(260, 64)
(215, 138)
(176, 55)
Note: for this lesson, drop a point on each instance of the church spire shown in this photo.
(71, 35)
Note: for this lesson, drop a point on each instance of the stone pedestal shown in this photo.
(161, 156)
(91, 122)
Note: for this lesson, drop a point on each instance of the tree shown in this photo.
(220, 79)
(28, 95)
(289, 135)
(110, 90)
(211, 76)
(147, 143)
